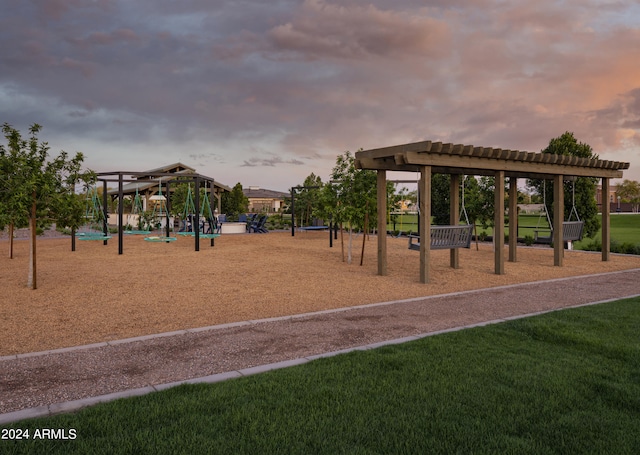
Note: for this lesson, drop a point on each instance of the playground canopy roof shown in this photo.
(471, 160)
(147, 181)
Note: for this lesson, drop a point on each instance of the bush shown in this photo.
(615, 247)
(528, 240)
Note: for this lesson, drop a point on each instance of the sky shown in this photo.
(267, 92)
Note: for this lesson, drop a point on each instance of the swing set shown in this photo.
(93, 214)
(160, 212)
(137, 211)
(190, 220)
(160, 215)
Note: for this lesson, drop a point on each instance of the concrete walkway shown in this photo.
(52, 382)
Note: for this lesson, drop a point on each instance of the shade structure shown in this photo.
(429, 157)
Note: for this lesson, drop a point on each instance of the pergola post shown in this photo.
(382, 222)
(498, 223)
(513, 219)
(558, 219)
(606, 212)
(424, 191)
(454, 215)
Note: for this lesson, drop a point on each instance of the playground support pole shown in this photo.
(120, 213)
(196, 222)
(105, 228)
(166, 209)
(293, 212)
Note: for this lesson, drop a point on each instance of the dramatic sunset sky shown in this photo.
(266, 92)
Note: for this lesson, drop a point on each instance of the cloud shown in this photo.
(270, 162)
(273, 85)
(324, 30)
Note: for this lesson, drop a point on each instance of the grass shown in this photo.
(564, 382)
(625, 228)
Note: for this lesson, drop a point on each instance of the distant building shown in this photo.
(264, 201)
(615, 204)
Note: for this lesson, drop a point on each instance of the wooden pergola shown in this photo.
(429, 158)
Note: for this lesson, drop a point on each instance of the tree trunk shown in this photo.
(475, 231)
(350, 243)
(342, 240)
(364, 237)
(32, 282)
(10, 240)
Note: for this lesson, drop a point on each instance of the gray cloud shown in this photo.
(250, 84)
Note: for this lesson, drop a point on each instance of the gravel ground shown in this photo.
(94, 295)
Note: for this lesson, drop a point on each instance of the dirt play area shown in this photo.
(94, 295)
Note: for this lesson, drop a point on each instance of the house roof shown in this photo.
(262, 193)
(145, 180)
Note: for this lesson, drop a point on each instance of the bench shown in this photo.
(571, 231)
(445, 237)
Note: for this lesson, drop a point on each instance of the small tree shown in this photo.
(629, 191)
(308, 200)
(40, 190)
(585, 187)
(355, 195)
(235, 202)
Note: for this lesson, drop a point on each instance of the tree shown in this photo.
(629, 191)
(440, 198)
(354, 194)
(307, 201)
(39, 190)
(235, 202)
(585, 187)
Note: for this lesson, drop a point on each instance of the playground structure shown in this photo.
(429, 157)
(94, 214)
(153, 183)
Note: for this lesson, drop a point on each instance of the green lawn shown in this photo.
(625, 228)
(565, 382)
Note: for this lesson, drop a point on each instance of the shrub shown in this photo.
(528, 240)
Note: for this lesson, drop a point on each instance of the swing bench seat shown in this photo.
(92, 236)
(445, 237)
(571, 232)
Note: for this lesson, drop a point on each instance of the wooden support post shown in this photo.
(382, 222)
(513, 219)
(558, 219)
(606, 226)
(498, 224)
(454, 215)
(424, 190)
